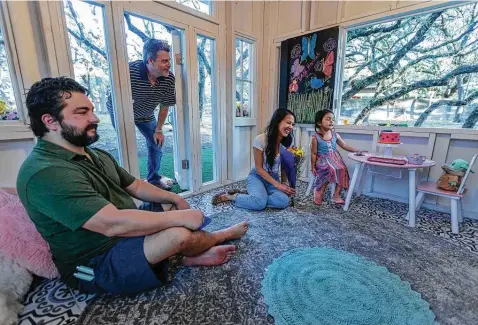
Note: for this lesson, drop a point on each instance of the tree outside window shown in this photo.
(243, 78)
(204, 6)
(8, 105)
(419, 71)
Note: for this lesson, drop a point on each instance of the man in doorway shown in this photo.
(81, 202)
(152, 84)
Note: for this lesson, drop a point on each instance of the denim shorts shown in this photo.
(124, 269)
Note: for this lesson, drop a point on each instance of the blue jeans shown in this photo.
(155, 153)
(261, 194)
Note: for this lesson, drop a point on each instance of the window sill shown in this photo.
(245, 121)
(199, 14)
(15, 130)
(460, 133)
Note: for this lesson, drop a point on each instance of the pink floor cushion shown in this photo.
(19, 239)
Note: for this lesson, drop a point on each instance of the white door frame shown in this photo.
(115, 29)
(192, 26)
(217, 114)
(58, 50)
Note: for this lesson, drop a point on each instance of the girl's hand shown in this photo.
(286, 189)
(314, 172)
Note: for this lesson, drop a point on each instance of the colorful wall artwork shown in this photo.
(307, 75)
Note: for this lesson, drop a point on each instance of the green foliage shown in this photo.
(306, 105)
(167, 167)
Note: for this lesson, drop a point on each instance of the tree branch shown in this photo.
(367, 32)
(470, 28)
(81, 38)
(134, 29)
(471, 120)
(465, 69)
(417, 39)
(202, 56)
(443, 102)
(88, 43)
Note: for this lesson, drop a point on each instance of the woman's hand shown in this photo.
(314, 172)
(286, 189)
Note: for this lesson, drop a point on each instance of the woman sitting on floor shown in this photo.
(264, 187)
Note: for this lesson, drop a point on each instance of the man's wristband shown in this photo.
(158, 131)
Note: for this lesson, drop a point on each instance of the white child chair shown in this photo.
(455, 197)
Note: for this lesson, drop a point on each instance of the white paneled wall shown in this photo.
(242, 157)
(12, 155)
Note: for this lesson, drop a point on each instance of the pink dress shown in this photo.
(329, 167)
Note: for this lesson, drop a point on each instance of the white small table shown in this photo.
(361, 161)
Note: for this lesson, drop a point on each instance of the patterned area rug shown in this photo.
(445, 275)
(323, 286)
(42, 308)
(52, 302)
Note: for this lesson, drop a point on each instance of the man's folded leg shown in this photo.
(125, 270)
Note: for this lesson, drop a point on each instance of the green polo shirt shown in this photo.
(61, 190)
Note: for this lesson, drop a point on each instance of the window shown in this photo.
(416, 71)
(243, 78)
(85, 22)
(203, 6)
(206, 49)
(8, 104)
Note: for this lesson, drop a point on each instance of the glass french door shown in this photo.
(207, 112)
(191, 151)
(103, 38)
(91, 63)
(174, 160)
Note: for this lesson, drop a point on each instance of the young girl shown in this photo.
(264, 186)
(327, 164)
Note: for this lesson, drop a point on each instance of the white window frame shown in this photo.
(345, 27)
(212, 17)
(15, 129)
(254, 93)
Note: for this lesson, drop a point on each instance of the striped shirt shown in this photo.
(147, 97)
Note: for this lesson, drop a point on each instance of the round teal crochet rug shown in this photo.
(324, 286)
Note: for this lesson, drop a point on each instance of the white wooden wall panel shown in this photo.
(289, 17)
(323, 13)
(402, 4)
(358, 9)
(243, 16)
(242, 157)
(12, 155)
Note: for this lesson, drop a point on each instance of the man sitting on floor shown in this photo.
(80, 200)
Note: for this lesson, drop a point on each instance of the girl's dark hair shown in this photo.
(319, 116)
(272, 131)
(47, 96)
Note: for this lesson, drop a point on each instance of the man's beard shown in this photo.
(77, 138)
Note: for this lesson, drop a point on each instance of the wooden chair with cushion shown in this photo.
(455, 197)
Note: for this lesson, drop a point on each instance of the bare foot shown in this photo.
(318, 197)
(233, 232)
(338, 200)
(216, 255)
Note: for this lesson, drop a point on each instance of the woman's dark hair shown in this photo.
(47, 96)
(272, 131)
(319, 116)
